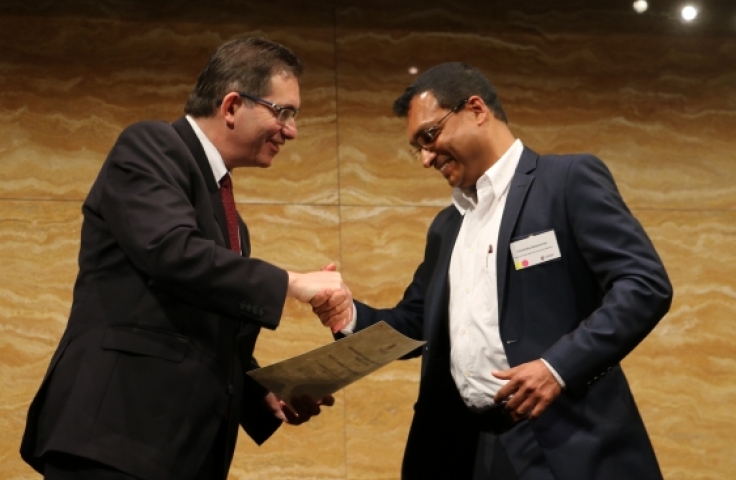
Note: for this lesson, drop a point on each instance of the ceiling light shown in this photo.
(689, 13)
(641, 6)
(413, 70)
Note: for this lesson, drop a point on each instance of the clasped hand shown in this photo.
(325, 290)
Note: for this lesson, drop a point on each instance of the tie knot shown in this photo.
(226, 182)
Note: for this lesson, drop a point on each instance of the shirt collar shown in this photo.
(498, 176)
(217, 164)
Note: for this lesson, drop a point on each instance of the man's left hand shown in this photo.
(304, 408)
(530, 389)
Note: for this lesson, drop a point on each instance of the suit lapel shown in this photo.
(184, 129)
(438, 290)
(518, 190)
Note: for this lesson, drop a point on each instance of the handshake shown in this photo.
(325, 290)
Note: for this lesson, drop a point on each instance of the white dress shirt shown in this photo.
(475, 339)
(217, 164)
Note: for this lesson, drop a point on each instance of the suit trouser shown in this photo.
(511, 456)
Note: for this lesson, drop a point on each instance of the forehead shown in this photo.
(424, 111)
(284, 90)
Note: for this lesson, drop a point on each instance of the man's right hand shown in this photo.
(334, 309)
(304, 286)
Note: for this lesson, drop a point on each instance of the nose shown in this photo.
(428, 157)
(289, 130)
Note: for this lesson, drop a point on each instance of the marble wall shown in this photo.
(657, 102)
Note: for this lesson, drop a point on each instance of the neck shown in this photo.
(500, 140)
(213, 127)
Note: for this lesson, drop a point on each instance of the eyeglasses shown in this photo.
(283, 114)
(425, 138)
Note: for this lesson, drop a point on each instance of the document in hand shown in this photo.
(329, 368)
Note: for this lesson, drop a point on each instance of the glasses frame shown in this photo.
(283, 113)
(427, 136)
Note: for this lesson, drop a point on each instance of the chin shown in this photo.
(264, 162)
(454, 183)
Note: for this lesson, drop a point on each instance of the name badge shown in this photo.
(535, 249)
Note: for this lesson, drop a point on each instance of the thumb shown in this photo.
(330, 267)
(279, 412)
(503, 374)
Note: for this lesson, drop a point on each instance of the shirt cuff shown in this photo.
(555, 374)
(350, 327)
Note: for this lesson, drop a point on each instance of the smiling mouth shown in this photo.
(443, 166)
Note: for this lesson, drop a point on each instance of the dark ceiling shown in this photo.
(716, 18)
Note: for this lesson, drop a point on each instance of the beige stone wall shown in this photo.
(657, 105)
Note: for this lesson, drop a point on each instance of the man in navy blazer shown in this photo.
(535, 284)
(149, 379)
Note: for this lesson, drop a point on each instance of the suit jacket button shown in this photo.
(243, 305)
(230, 389)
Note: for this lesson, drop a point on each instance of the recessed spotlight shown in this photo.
(689, 13)
(641, 6)
(413, 70)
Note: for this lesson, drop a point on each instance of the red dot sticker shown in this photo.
(525, 263)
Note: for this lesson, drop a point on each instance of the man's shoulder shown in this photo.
(149, 142)
(565, 160)
(447, 214)
(151, 135)
(147, 128)
(557, 166)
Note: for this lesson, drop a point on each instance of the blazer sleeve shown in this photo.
(636, 290)
(149, 195)
(409, 315)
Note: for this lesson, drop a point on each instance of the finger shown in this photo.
(542, 405)
(327, 400)
(320, 300)
(278, 411)
(504, 374)
(294, 414)
(505, 392)
(301, 410)
(310, 406)
(334, 302)
(516, 417)
(338, 319)
(330, 267)
(516, 399)
(537, 411)
(342, 321)
(338, 309)
(526, 407)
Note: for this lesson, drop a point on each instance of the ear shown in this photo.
(230, 104)
(480, 109)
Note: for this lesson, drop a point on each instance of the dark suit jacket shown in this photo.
(583, 314)
(164, 319)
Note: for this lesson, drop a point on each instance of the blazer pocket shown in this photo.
(143, 341)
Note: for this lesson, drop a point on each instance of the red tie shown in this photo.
(231, 215)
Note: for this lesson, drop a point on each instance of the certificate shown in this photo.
(330, 368)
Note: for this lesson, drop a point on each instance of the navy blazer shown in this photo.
(164, 320)
(582, 313)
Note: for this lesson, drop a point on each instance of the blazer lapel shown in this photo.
(518, 190)
(185, 131)
(437, 301)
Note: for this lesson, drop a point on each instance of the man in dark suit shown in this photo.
(149, 379)
(535, 284)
